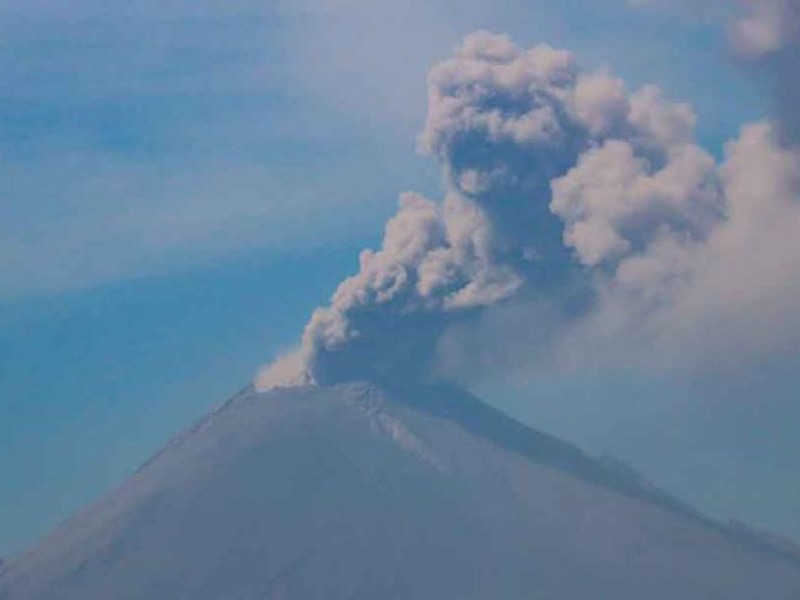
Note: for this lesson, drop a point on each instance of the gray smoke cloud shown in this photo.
(523, 137)
(694, 267)
(702, 262)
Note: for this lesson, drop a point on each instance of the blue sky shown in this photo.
(181, 183)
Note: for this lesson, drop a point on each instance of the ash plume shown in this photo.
(553, 175)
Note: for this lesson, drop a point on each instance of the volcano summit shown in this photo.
(353, 491)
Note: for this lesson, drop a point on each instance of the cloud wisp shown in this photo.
(768, 37)
(764, 36)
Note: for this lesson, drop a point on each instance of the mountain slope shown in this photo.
(354, 492)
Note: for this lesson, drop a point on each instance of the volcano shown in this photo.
(361, 492)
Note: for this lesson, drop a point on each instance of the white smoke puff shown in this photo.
(601, 103)
(662, 122)
(487, 46)
(288, 370)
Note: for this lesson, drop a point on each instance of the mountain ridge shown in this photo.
(352, 463)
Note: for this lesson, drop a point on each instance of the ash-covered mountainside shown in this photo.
(355, 492)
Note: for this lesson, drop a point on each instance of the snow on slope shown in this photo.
(354, 492)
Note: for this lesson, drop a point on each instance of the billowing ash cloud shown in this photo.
(551, 176)
(503, 122)
(702, 261)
